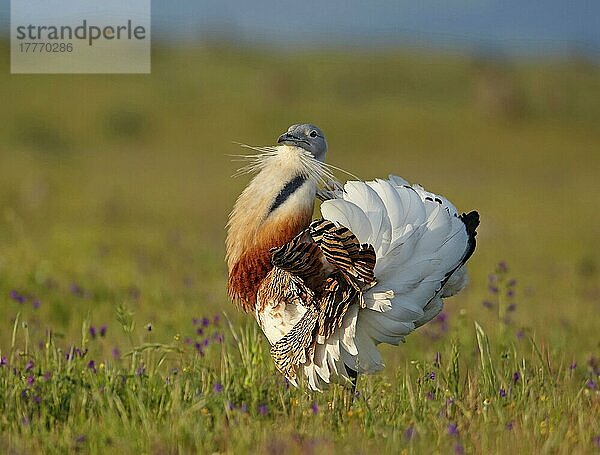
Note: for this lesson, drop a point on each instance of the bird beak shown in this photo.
(286, 137)
(290, 139)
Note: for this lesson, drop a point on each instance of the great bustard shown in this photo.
(327, 292)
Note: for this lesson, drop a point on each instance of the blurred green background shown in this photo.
(116, 188)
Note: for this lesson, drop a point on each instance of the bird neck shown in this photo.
(275, 207)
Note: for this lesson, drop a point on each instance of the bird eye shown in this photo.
(313, 133)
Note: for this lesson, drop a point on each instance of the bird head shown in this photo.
(306, 136)
(301, 151)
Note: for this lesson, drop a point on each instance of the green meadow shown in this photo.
(116, 333)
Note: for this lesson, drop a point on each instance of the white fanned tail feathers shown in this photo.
(421, 244)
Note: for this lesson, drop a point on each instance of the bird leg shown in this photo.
(351, 391)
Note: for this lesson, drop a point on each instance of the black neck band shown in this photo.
(289, 189)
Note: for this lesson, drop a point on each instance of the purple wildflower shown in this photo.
(439, 326)
(597, 440)
(591, 385)
(263, 410)
(218, 387)
(511, 307)
(205, 322)
(216, 319)
(493, 289)
(17, 297)
(29, 365)
(92, 365)
(493, 278)
(76, 290)
(509, 426)
(37, 399)
(432, 376)
(80, 439)
(409, 433)
(314, 407)
(187, 340)
(489, 305)
(516, 377)
(199, 331)
(573, 365)
(502, 392)
(92, 331)
(218, 338)
(510, 293)
(511, 283)
(230, 406)
(140, 370)
(452, 429)
(103, 330)
(205, 342)
(2, 361)
(431, 395)
(36, 304)
(195, 321)
(502, 267)
(116, 353)
(520, 334)
(47, 376)
(459, 449)
(30, 380)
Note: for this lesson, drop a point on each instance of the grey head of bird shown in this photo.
(306, 136)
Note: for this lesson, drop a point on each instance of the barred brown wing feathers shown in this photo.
(334, 251)
(318, 227)
(291, 350)
(298, 345)
(365, 263)
(342, 269)
(347, 239)
(334, 302)
(342, 249)
(299, 258)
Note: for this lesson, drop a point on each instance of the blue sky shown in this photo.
(508, 26)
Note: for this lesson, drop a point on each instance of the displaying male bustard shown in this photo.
(326, 292)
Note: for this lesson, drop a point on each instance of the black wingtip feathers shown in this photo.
(471, 221)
